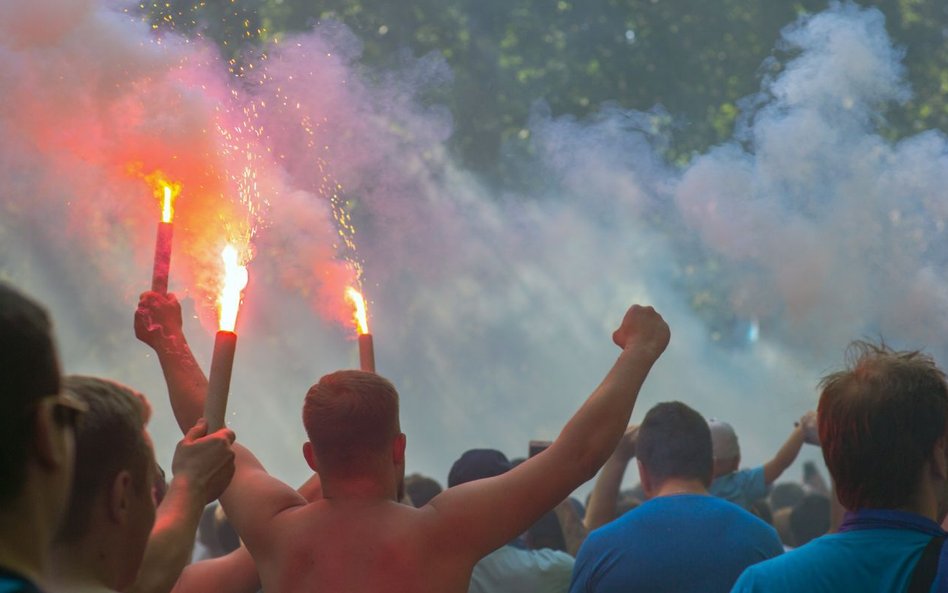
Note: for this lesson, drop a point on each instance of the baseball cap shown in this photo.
(477, 464)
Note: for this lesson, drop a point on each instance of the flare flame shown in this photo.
(359, 315)
(235, 280)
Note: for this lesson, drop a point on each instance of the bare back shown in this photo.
(359, 546)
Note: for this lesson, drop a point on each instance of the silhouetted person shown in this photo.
(36, 442)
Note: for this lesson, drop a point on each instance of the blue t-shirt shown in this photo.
(741, 487)
(676, 544)
(856, 561)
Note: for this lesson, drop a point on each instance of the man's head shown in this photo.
(882, 426)
(351, 418)
(30, 370)
(477, 464)
(725, 448)
(674, 441)
(421, 489)
(115, 472)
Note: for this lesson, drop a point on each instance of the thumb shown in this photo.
(197, 431)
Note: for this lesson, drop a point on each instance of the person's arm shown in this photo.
(235, 572)
(790, 449)
(256, 497)
(574, 532)
(603, 501)
(475, 518)
(203, 466)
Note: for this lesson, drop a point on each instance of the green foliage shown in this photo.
(695, 59)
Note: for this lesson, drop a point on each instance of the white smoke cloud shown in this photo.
(492, 313)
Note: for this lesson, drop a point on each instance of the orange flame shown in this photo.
(166, 191)
(360, 316)
(235, 280)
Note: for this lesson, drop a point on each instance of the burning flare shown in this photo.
(235, 280)
(361, 319)
(166, 191)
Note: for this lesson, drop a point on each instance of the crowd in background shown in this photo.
(85, 507)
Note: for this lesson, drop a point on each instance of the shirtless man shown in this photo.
(358, 538)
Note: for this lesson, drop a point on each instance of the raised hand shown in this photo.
(643, 329)
(206, 460)
(157, 317)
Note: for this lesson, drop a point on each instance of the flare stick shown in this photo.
(366, 353)
(162, 267)
(218, 383)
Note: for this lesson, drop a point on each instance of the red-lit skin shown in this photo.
(359, 538)
(162, 263)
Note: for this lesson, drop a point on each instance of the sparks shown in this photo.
(360, 316)
(235, 280)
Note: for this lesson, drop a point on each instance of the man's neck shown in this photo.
(672, 486)
(24, 539)
(77, 566)
(370, 487)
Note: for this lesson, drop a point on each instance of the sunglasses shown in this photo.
(68, 409)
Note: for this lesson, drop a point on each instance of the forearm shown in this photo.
(590, 437)
(574, 532)
(605, 494)
(172, 538)
(785, 456)
(233, 573)
(187, 384)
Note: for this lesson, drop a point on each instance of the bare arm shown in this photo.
(574, 532)
(203, 466)
(478, 517)
(605, 494)
(232, 573)
(790, 449)
(256, 497)
(235, 572)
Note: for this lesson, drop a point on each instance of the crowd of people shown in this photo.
(85, 507)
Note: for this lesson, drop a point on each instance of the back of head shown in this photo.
(879, 421)
(111, 438)
(724, 444)
(30, 371)
(351, 417)
(810, 518)
(674, 441)
(786, 495)
(477, 464)
(421, 489)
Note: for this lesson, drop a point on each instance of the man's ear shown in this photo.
(940, 459)
(644, 478)
(120, 497)
(398, 449)
(310, 456)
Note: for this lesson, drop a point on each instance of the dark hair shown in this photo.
(30, 371)
(879, 421)
(421, 489)
(786, 494)
(350, 417)
(810, 518)
(674, 441)
(111, 438)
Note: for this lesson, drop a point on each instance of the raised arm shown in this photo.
(202, 466)
(158, 323)
(235, 572)
(790, 449)
(605, 494)
(478, 517)
(256, 497)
